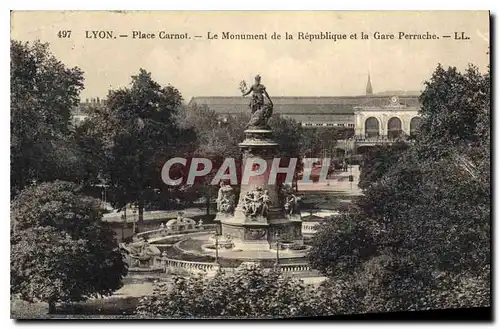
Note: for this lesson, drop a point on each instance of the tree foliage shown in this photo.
(247, 293)
(377, 161)
(61, 250)
(319, 141)
(43, 92)
(138, 132)
(92, 156)
(452, 102)
(218, 137)
(44, 261)
(425, 212)
(341, 246)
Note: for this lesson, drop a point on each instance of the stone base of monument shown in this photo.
(261, 235)
(247, 237)
(220, 217)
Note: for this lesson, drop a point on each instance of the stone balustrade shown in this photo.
(295, 267)
(193, 267)
(309, 228)
(373, 140)
(211, 268)
(165, 231)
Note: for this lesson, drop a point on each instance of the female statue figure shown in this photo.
(261, 111)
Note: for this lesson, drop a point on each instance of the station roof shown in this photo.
(303, 106)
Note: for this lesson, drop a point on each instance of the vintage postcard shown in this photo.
(250, 165)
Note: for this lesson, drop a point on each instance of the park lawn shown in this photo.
(121, 305)
(117, 307)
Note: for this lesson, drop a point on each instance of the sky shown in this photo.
(203, 67)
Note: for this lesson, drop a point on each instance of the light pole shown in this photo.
(216, 248)
(140, 124)
(350, 168)
(133, 219)
(123, 227)
(277, 237)
(104, 195)
(125, 224)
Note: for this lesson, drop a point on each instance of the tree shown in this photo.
(377, 161)
(92, 156)
(287, 133)
(43, 92)
(61, 250)
(435, 221)
(216, 139)
(247, 293)
(451, 104)
(42, 260)
(139, 133)
(418, 239)
(341, 246)
(318, 142)
(425, 211)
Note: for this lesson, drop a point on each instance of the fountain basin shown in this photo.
(203, 246)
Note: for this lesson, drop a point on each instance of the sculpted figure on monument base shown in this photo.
(290, 200)
(256, 202)
(225, 198)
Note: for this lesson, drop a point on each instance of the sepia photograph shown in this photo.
(250, 165)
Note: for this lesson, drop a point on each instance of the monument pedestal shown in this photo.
(259, 218)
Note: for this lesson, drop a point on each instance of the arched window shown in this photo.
(415, 125)
(394, 128)
(371, 127)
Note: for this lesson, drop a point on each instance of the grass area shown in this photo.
(103, 306)
(112, 306)
(142, 278)
(120, 305)
(174, 253)
(23, 310)
(191, 244)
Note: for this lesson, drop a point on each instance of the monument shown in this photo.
(264, 213)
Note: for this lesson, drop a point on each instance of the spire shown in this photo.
(369, 90)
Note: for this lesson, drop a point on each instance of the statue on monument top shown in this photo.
(261, 110)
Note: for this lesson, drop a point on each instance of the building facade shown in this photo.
(375, 118)
(389, 120)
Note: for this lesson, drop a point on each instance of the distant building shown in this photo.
(81, 112)
(375, 118)
(311, 112)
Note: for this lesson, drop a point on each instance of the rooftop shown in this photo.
(304, 105)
